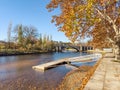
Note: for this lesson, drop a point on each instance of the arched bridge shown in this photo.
(60, 48)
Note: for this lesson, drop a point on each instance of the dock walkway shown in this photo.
(48, 65)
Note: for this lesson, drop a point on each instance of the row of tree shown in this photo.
(27, 39)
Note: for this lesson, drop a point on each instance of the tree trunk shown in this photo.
(117, 47)
(117, 53)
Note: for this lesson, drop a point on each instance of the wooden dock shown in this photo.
(48, 65)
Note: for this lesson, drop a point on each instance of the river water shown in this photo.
(16, 72)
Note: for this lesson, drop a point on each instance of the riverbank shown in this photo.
(74, 78)
(77, 79)
(14, 53)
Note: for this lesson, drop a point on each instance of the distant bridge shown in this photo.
(62, 47)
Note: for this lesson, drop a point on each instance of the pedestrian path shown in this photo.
(106, 76)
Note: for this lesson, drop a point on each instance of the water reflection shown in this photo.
(91, 63)
(16, 72)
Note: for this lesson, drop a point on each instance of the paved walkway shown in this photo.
(106, 76)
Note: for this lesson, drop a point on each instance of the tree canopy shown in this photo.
(97, 19)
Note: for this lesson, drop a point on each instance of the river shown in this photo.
(16, 72)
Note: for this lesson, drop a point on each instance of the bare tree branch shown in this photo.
(110, 40)
(106, 17)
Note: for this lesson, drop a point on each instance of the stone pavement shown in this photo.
(106, 76)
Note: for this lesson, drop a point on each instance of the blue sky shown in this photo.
(28, 12)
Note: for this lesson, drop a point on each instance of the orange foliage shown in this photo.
(79, 18)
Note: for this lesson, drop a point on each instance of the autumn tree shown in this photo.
(9, 34)
(46, 42)
(39, 42)
(98, 19)
(25, 36)
(30, 37)
(100, 35)
(18, 32)
(40, 38)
